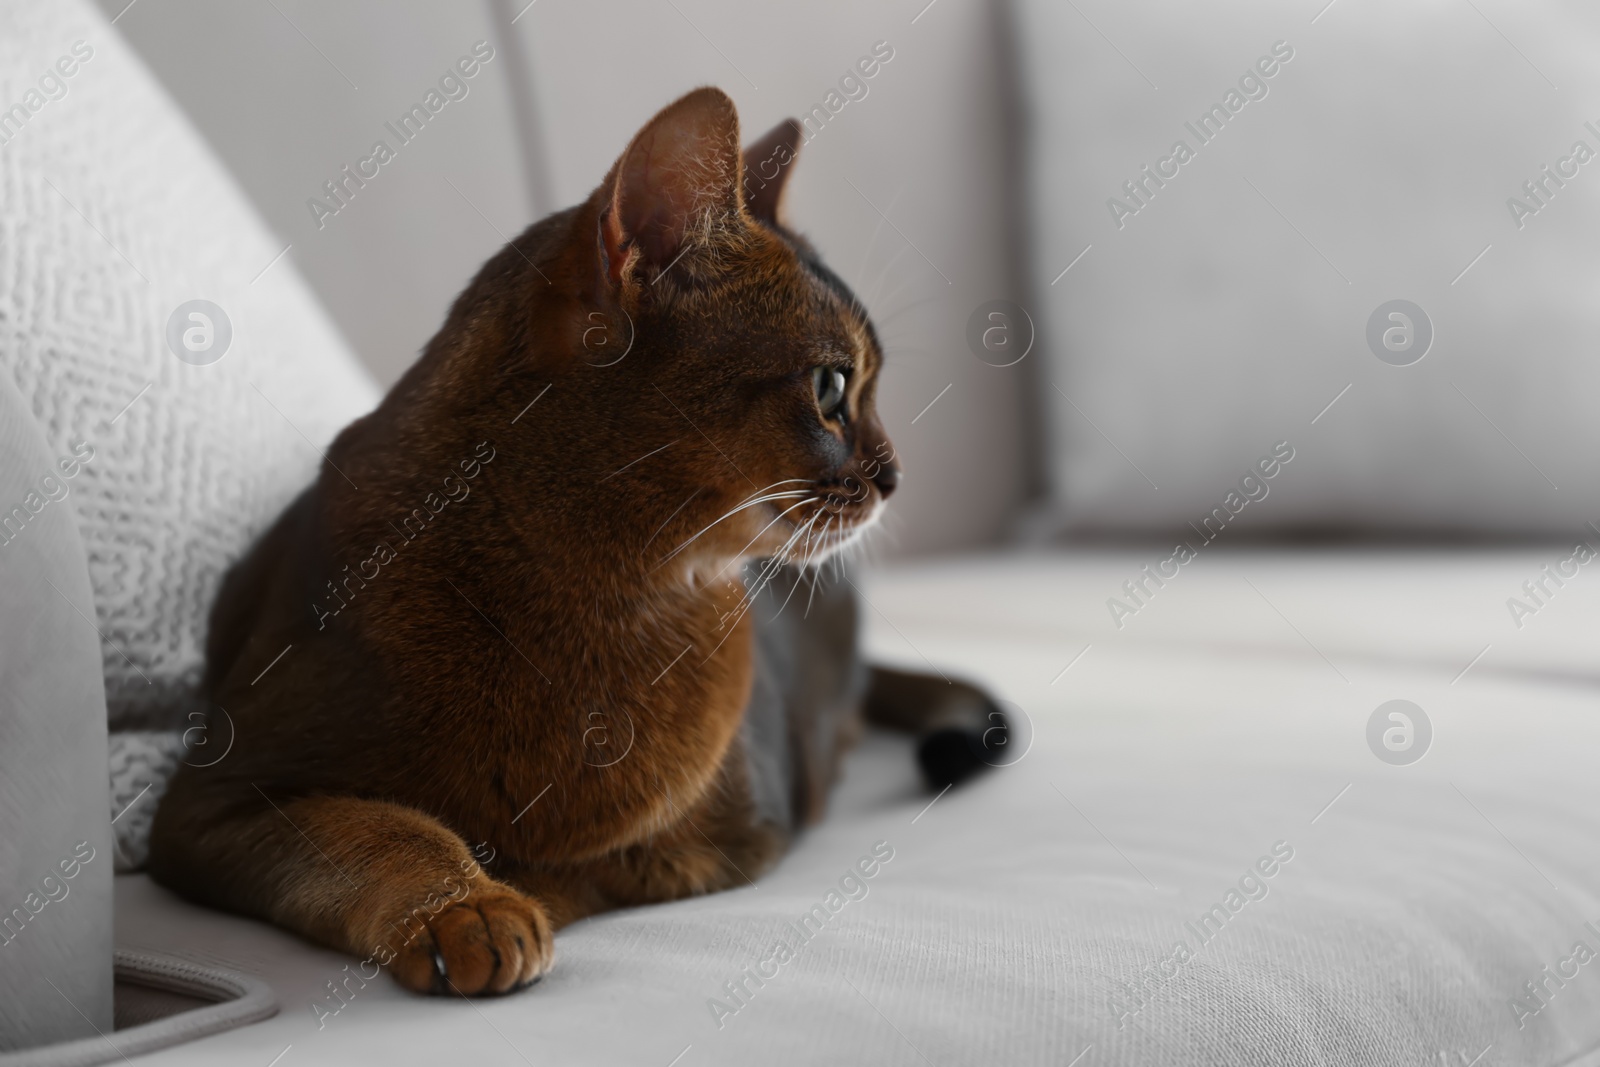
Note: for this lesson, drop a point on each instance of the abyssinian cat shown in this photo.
(547, 602)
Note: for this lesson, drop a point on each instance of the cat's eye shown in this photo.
(829, 384)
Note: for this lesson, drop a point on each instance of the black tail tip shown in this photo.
(952, 755)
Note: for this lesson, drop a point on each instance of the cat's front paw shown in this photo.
(493, 940)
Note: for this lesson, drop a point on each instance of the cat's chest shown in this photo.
(634, 735)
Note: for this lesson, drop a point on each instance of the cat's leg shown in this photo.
(961, 729)
(381, 881)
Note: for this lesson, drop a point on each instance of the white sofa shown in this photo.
(1202, 774)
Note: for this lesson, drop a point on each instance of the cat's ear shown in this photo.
(674, 188)
(767, 164)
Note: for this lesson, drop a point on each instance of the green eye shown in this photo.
(829, 385)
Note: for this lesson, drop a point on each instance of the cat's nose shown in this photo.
(887, 479)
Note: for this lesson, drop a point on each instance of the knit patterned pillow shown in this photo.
(190, 425)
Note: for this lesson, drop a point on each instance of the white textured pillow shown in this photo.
(112, 214)
(1222, 308)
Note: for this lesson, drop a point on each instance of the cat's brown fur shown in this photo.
(510, 613)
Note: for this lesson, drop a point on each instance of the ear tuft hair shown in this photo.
(676, 186)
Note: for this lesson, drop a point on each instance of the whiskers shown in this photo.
(769, 570)
(747, 545)
(825, 537)
(760, 496)
(816, 572)
(840, 551)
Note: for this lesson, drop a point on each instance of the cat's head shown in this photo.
(744, 353)
(666, 369)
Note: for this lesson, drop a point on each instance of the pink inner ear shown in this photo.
(681, 166)
(657, 195)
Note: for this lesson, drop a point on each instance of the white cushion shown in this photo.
(1233, 306)
(112, 214)
(1025, 916)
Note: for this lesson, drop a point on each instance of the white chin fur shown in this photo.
(699, 572)
(837, 542)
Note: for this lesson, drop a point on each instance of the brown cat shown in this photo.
(514, 608)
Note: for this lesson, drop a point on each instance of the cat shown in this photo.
(540, 640)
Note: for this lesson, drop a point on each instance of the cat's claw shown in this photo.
(441, 973)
